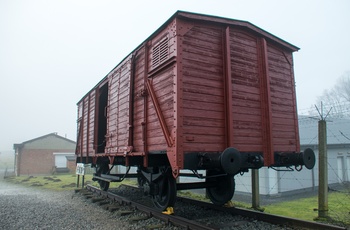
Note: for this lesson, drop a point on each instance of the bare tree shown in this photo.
(337, 99)
(343, 87)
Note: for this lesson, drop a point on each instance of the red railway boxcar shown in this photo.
(201, 93)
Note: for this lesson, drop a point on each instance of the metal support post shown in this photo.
(255, 189)
(82, 181)
(78, 177)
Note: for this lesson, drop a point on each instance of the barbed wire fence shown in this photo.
(299, 184)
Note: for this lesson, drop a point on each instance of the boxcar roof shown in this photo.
(208, 18)
(234, 22)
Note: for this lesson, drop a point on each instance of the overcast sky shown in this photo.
(53, 52)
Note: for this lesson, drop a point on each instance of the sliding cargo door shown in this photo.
(118, 109)
(101, 118)
(85, 126)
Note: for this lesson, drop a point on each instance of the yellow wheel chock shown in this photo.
(169, 211)
(229, 204)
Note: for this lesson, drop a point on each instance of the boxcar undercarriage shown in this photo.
(157, 180)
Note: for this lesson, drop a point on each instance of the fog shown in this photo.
(53, 52)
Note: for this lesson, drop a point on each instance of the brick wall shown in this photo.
(40, 161)
(36, 161)
(71, 166)
(36, 156)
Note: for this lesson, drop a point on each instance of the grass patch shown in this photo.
(307, 208)
(192, 195)
(60, 182)
(300, 209)
(202, 197)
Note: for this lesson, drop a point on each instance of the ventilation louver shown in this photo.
(160, 52)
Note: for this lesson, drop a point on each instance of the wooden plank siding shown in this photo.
(139, 101)
(162, 84)
(91, 124)
(282, 100)
(203, 99)
(86, 125)
(246, 95)
(118, 108)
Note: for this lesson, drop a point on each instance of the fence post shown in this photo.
(322, 170)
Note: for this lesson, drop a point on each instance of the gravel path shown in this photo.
(32, 208)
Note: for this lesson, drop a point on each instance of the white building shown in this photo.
(273, 182)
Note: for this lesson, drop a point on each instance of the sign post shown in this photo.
(80, 171)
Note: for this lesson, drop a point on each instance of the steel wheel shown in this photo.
(166, 192)
(224, 189)
(102, 169)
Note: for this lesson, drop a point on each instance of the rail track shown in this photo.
(235, 217)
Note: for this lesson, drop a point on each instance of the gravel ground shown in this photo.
(24, 207)
(31, 208)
